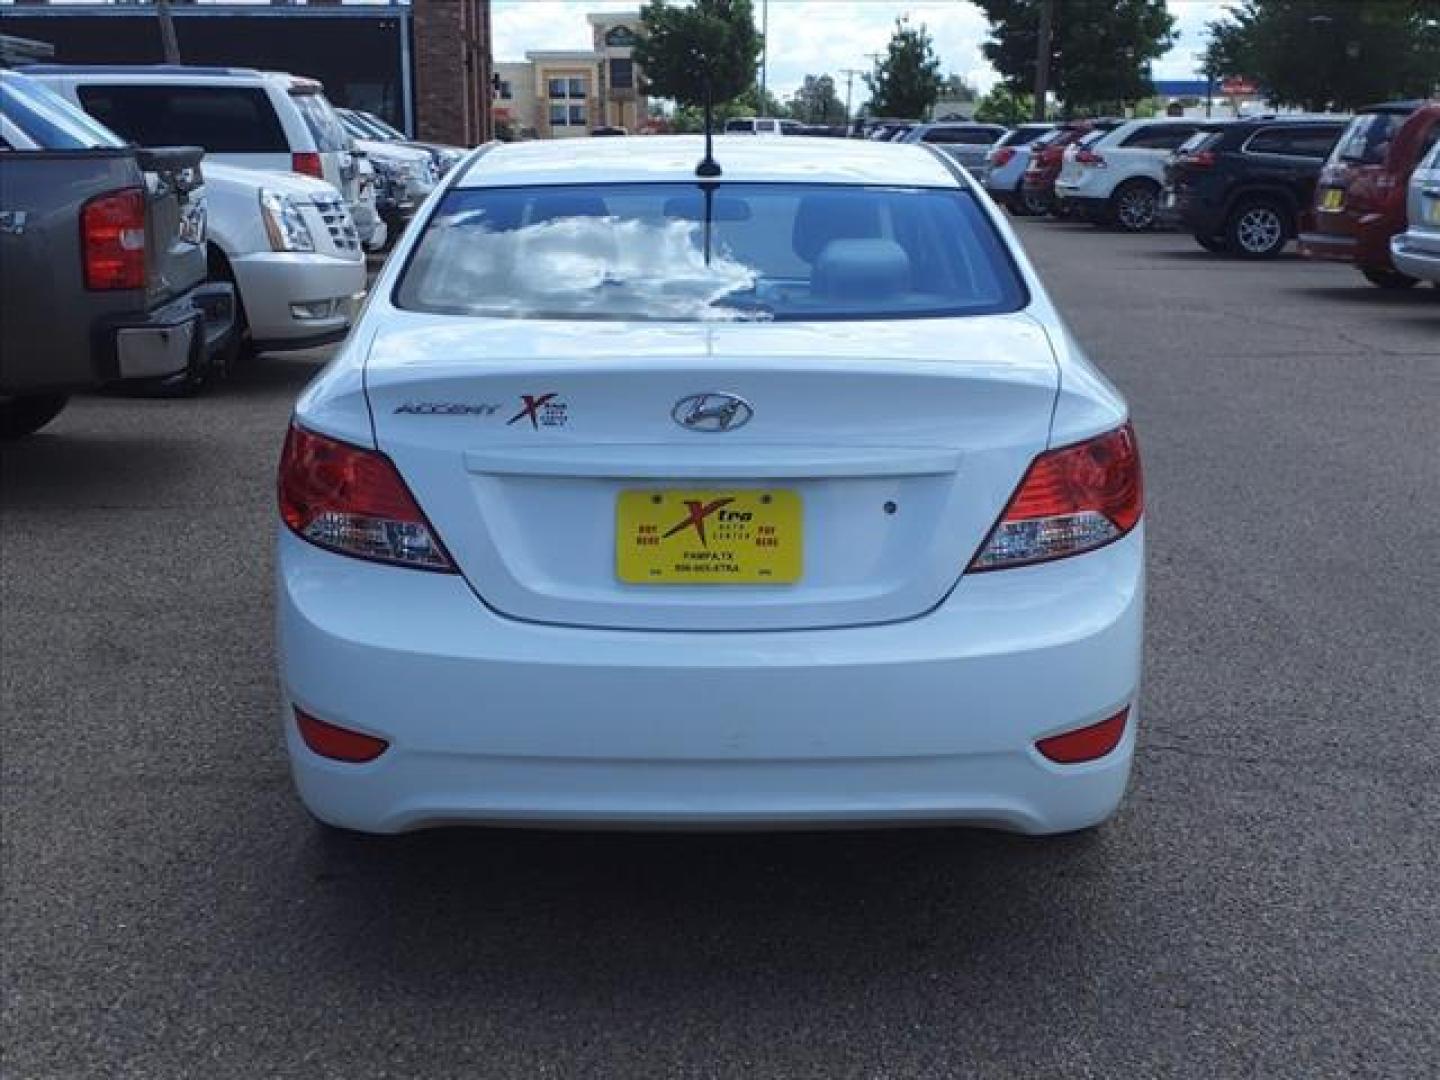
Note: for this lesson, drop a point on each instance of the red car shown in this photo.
(1037, 188)
(1360, 199)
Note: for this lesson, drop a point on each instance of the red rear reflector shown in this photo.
(112, 234)
(307, 163)
(1086, 743)
(353, 500)
(338, 743)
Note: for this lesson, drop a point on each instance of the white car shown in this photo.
(779, 499)
(289, 245)
(1115, 177)
(1417, 250)
(262, 120)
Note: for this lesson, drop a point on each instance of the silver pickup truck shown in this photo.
(102, 261)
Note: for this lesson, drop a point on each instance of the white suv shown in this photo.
(258, 120)
(1115, 177)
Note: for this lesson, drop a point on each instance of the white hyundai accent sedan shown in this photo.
(781, 498)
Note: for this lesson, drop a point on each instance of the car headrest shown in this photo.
(820, 219)
(550, 207)
(860, 270)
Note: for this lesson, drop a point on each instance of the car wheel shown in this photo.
(1033, 203)
(1135, 206)
(1216, 245)
(1390, 279)
(21, 416)
(1257, 229)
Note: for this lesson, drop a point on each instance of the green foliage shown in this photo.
(1101, 50)
(1004, 106)
(906, 80)
(682, 46)
(1330, 54)
(692, 117)
(817, 102)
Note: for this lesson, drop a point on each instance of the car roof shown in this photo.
(672, 158)
(171, 71)
(1402, 108)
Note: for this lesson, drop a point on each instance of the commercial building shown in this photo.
(563, 94)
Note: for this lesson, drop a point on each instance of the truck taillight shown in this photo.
(112, 233)
(353, 500)
(307, 164)
(1072, 499)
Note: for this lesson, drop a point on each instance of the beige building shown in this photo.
(564, 94)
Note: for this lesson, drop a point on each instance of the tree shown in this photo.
(906, 80)
(816, 102)
(958, 88)
(683, 47)
(1100, 50)
(1330, 54)
(1004, 106)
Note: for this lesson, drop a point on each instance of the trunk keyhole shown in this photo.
(890, 507)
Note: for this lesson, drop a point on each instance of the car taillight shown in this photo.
(1072, 499)
(353, 501)
(338, 743)
(1087, 743)
(1089, 157)
(1002, 157)
(308, 164)
(1201, 159)
(112, 232)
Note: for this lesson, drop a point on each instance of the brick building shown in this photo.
(422, 64)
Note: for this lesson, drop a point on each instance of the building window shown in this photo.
(562, 115)
(567, 89)
(622, 74)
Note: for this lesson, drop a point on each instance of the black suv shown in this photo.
(1242, 186)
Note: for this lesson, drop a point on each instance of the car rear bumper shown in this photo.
(294, 300)
(495, 721)
(1420, 259)
(1328, 246)
(185, 332)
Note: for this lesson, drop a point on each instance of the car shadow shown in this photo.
(264, 374)
(661, 907)
(75, 468)
(1362, 293)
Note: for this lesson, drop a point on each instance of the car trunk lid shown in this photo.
(895, 444)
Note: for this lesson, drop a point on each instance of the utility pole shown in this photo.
(1042, 57)
(168, 42)
(849, 74)
(764, 50)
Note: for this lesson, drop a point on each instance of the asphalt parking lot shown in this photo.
(1264, 905)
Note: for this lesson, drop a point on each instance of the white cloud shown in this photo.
(819, 36)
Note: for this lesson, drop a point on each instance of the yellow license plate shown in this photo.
(706, 537)
(1334, 199)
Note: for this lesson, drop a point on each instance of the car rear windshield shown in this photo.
(1367, 140)
(1197, 141)
(688, 251)
(1024, 136)
(222, 119)
(330, 135)
(48, 120)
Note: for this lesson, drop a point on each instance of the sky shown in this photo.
(819, 36)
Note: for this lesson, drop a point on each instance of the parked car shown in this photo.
(404, 174)
(889, 130)
(445, 156)
(102, 260)
(1115, 177)
(1246, 186)
(794, 534)
(765, 126)
(258, 120)
(1037, 188)
(967, 143)
(1360, 198)
(1005, 163)
(1416, 251)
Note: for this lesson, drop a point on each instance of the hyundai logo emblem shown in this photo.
(712, 412)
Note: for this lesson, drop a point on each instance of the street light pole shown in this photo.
(1043, 45)
(168, 42)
